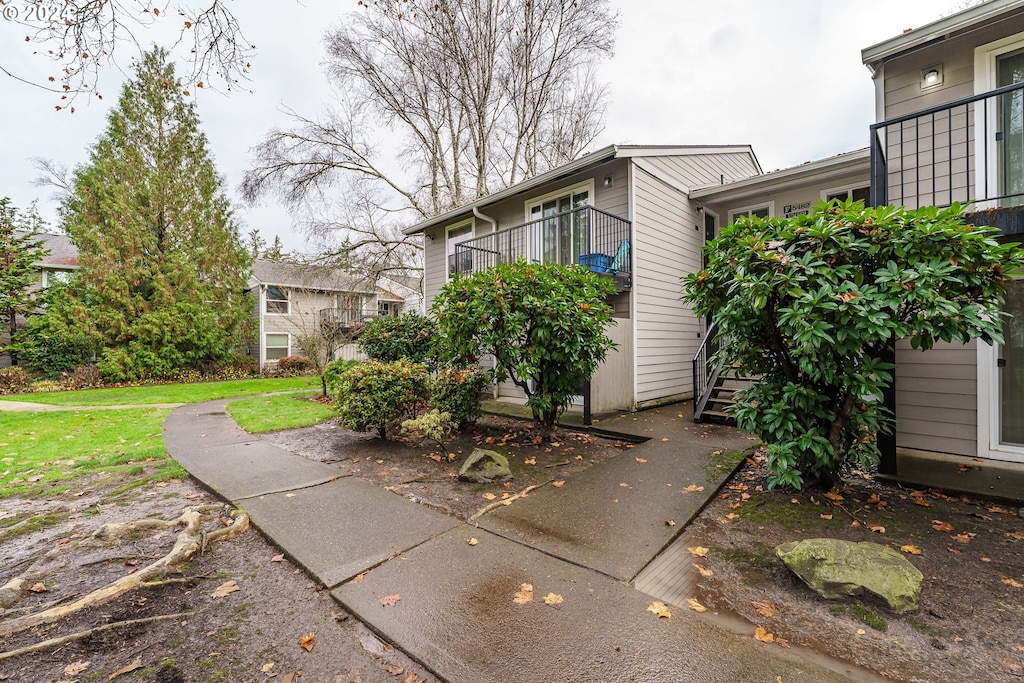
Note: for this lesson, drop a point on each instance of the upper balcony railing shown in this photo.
(970, 150)
(586, 236)
(340, 319)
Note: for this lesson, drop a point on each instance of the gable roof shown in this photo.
(938, 30)
(306, 276)
(588, 160)
(62, 252)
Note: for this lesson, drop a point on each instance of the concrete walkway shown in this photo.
(27, 407)
(585, 541)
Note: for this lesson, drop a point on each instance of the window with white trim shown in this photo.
(856, 193)
(455, 235)
(277, 299)
(565, 235)
(758, 210)
(277, 345)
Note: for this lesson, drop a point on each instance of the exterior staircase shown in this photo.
(714, 385)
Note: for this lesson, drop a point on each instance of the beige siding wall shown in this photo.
(932, 159)
(304, 307)
(936, 398)
(810, 193)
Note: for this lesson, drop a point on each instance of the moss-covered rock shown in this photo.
(834, 569)
(483, 467)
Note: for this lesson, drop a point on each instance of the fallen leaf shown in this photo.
(877, 528)
(277, 558)
(704, 571)
(794, 501)
(225, 589)
(641, 460)
(436, 458)
(698, 551)
(558, 484)
(783, 642)
(472, 541)
(832, 495)
(1019, 535)
(127, 668)
(266, 668)
(289, 677)
(1010, 582)
(764, 608)
(624, 485)
(306, 642)
(695, 606)
(693, 488)
(911, 549)
(358, 578)
(665, 439)
(761, 634)
(825, 516)
(552, 599)
(530, 461)
(861, 632)
(965, 537)
(38, 588)
(873, 499)
(670, 522)
(489, 496)
(390, 600)
(939, 525)
(76, 668)
(659, 608)
(524, 594)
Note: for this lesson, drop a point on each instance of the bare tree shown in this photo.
(468, 96)
(81, 36)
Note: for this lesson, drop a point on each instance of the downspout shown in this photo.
(494, 229)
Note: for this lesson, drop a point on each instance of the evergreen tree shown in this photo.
(163, 268)
(20, 250)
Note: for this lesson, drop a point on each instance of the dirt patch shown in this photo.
(254, 633)
(970, 623)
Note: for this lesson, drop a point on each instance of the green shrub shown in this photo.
(294, 366)
(46, 386)
(410, 337)
(15, 380)
(55, 342)
(544, 324)
(434, 425)
(377, 395)
(333, 372)
(457, 392)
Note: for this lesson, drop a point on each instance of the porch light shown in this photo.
(931, 77)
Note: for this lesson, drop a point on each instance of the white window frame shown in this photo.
(287, 300)
(848, 189)
(745, 210)
(471, 224)
(568, 190)
(986, 58)
(267, 347)
(989, 409)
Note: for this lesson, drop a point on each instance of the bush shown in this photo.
(434, 425)
(377, 395)
(457, 392)
(410, 337)
(293, 366)
(812, 305)
(55, 342)
(333, 372)
(544, 324)
(239, 366)
(14, 380)
(82, 377)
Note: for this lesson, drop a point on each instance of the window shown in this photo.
(1001, 172)
(278, 346)
(566, 234)
(388, 308)
(759, 210)
(277, 299)
(857, 194)
(462, 262)
(53, 277)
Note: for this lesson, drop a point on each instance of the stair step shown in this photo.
(716, 413)
(716, 399)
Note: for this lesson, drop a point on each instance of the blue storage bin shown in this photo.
(599, 263)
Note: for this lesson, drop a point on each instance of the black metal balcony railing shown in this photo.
(339, 319)
(970, 150)
(587, 236)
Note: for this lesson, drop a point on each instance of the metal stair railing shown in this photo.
(705, 372)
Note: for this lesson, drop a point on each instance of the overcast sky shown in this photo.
(784, 76)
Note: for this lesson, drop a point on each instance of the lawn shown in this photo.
(271, 413)
(168, 393)
(43, 454)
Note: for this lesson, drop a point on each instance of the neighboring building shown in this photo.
(408, 289)
(950, 105)
(625, 211)
(294, 299)
(60, 261)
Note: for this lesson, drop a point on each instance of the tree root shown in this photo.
(63, 640)
(504, 501)
(190, 542)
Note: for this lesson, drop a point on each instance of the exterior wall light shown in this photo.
(931, 77)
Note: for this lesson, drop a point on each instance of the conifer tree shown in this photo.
(20, 250)
(163, 268)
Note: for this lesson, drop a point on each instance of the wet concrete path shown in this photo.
(449, 604)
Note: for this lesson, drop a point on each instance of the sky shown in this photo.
(784, 76)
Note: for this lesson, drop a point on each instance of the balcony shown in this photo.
(351, 320)
(586, 236)
(970, 150)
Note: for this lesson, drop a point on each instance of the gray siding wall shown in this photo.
(936, 398)
(669, 235)
(809, 193)
(932, 159)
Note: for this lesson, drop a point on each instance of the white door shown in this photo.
(1001, 385)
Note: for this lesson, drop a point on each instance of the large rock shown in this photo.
(484, 466)
(835, 568)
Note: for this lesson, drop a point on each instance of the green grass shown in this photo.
(270, 413)
(42, 454)
(168, 393)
